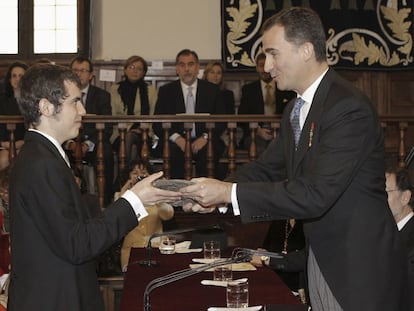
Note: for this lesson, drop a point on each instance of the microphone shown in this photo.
(251, 252)
(238, 255)
(153, 263)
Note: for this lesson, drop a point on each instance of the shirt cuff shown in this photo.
(136, 204)
(234, 202)
(174, 137)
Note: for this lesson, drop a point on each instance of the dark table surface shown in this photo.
(265, 287)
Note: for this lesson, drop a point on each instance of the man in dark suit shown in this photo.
(54, 240)
(261, 97)
(96, 101)
(189, 95)
(327, 168)
(400, 199)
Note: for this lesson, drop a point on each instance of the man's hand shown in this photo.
(150, 195)
(198, 144)
(190, 206)
(264, 133)
(208, 192)
(180, 142)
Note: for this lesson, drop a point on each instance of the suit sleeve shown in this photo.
(61, 218)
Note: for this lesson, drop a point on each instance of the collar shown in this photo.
(308, 95)
(186, 86)
(54, 142)
(85, 90)
(404, 221)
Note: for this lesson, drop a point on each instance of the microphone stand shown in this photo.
(237, 256)
(153, 263)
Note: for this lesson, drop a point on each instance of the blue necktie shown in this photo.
(294, 119)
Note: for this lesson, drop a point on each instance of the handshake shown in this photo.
(200, 195)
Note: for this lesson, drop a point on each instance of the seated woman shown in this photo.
(151, 224)
(8, 106)
(133, 96)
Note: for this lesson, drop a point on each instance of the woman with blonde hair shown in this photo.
(214, 73)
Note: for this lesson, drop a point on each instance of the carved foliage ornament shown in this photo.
(366, 34)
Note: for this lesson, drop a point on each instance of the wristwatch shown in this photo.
(265, 260)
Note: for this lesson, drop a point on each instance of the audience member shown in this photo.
(189, 95)
(8, 106)
(326, 167)
(400, 199)
(53, 240)
(97, 102)
(153, 223)
(261, 97)
(133, 96)
(214, 73)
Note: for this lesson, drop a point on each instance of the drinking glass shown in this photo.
(211, 250)
(167, 244)
(237, 294)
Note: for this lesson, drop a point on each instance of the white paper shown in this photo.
(108, 75)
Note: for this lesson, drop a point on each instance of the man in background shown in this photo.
(400, 199)
(261, 97)
(97, 102)
(189, 95)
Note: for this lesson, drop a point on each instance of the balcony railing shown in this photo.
(399, 137)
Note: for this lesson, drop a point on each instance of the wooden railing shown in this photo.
(399, 137)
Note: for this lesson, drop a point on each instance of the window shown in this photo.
(44, 28)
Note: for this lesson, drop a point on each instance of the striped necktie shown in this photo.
(294, 119)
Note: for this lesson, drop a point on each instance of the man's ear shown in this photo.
(406, 196)
(46, 108)
(307, 50)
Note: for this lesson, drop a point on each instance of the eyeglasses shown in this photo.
(133, 67)
(80, 70)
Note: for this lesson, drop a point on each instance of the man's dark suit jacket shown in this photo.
(54, 240)
(252, 102)
(407, 234)
(98, 101)
(171, 101)
(335, 181)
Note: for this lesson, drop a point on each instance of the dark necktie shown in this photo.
(83, 98)
(294, 119)
(270, 107)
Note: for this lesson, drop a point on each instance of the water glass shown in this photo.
(167, 244)
(223, 273)
(211, 249)
(237, 294)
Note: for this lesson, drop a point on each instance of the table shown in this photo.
(265, 287)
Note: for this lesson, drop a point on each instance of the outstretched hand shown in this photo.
(208, 192)
(150, 195)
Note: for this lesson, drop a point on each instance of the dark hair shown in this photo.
(8, 87)
(135, 58)
(402, 180)
(43, 81)
(301, 25)
(260, 56)
(186, 52)
(81, 59)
